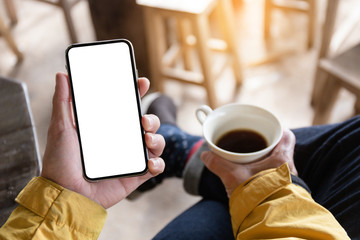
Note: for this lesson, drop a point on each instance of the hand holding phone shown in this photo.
(106, 104)
(62, 161)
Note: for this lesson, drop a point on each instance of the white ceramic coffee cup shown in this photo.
(234, 116)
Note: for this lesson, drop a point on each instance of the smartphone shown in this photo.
(107, 109)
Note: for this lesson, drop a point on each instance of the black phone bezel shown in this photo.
(138, 100)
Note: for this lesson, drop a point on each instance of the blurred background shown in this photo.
(278, 68)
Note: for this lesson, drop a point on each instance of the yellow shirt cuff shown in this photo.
(62, 207)
(252, 192)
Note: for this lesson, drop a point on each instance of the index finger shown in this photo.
(217, 164)
(61, 100)
(144, 85)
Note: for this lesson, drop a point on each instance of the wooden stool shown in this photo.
(302, 6)
(193, 30)
(341, 71)
(334, 71)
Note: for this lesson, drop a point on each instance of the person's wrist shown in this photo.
(70, 187)
(48, 178)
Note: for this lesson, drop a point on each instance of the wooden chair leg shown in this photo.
(65, 5)
(9, 39)
(201, 30)
(312, 22)
(156, 46)
(11, 11)
(226, 13)
(326, 101)
(267, 19)
(327, 32)
(183, 33)
(357, 105)
(318, 85)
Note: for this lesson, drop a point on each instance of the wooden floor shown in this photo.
(282, 85)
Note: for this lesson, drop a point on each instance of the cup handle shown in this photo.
(202, 113)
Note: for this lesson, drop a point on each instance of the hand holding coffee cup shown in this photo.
(238, 132)
(233, 174)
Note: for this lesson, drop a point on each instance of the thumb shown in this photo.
(207, 160)
(61, 112)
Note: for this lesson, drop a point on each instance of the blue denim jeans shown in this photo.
(327, 158)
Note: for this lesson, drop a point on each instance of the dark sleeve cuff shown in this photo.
(298, 181)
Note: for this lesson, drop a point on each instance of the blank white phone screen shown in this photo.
(107, 112)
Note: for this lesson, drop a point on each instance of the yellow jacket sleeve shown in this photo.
(48, 211)
(269, 206)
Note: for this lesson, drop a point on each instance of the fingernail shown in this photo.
(152, 139)
(155, 162)
(150, 120)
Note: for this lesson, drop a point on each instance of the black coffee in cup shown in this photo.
(242, 141)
